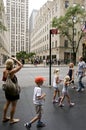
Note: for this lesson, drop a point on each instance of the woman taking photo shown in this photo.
(11, 99)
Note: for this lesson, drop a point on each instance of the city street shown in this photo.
(55, 118)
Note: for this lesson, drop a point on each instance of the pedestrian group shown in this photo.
(12, 66)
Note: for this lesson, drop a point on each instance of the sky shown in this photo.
(34, 4)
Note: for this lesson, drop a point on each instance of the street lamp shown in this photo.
(74, 54)
(52, 31)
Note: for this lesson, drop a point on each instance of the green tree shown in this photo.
(24, 55)
(67, 25)
(21, 54)
(2, 26)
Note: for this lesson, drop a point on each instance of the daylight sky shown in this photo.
(34, 4)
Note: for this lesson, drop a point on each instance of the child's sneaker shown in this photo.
(61, 105)
(82, 89)
(27, 125)
(73, 87)
(55, 101)
(72, 104)
(41, 124)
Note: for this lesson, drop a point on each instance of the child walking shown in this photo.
(71, 74)
(38, 98)
(65, 92)
(56, 82)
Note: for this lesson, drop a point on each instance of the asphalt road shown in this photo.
(54, 117)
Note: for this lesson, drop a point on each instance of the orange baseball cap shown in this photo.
(39, 79)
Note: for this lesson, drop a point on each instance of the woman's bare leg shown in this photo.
(12, 112)
(5, 110)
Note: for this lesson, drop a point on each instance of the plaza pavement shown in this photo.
(55, 118)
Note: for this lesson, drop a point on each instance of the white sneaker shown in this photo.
(72, 104)
(61, 105)
(55, 101)
(82, 89)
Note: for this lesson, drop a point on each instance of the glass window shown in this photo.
(66, 43)
(66, 4)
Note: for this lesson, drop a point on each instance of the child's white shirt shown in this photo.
(37, 92)
(55, 85)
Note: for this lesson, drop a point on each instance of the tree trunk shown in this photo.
(74, 58)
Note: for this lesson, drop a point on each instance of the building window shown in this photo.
(66, 43)
(52, 44)
(55, 43)
(66, 4)
(66, 57)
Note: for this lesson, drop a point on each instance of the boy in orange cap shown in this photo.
(38, 98)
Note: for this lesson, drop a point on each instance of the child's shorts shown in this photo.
(38, 109)
(56, 88)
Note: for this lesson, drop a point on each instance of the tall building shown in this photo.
(60, 46)
(32, 24)
(17, 17)
(4, 35)
(32, 19)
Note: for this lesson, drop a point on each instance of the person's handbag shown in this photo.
(10, 87)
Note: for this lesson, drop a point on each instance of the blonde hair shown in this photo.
(56, 71)
(71, 65)
(67, 78)
(9, 64)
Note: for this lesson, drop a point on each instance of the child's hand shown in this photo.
(44, 94)
(61, 80)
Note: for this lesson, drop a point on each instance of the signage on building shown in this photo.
(54, 31)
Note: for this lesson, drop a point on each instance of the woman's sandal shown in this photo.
(6, 119)
(14, 121)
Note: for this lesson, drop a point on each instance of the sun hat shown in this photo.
(39, 79)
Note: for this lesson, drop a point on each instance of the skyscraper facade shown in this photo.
(31, 24)
(4, 35)
(17, 18)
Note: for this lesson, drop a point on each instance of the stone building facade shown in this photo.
(60, 50)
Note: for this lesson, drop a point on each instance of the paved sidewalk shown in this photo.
(38, 65)
(56, 118)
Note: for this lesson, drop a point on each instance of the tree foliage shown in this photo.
(2, 26)
(73, 18)
(24, 55)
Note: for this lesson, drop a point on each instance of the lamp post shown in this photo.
(74, 54)
(52, 31)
